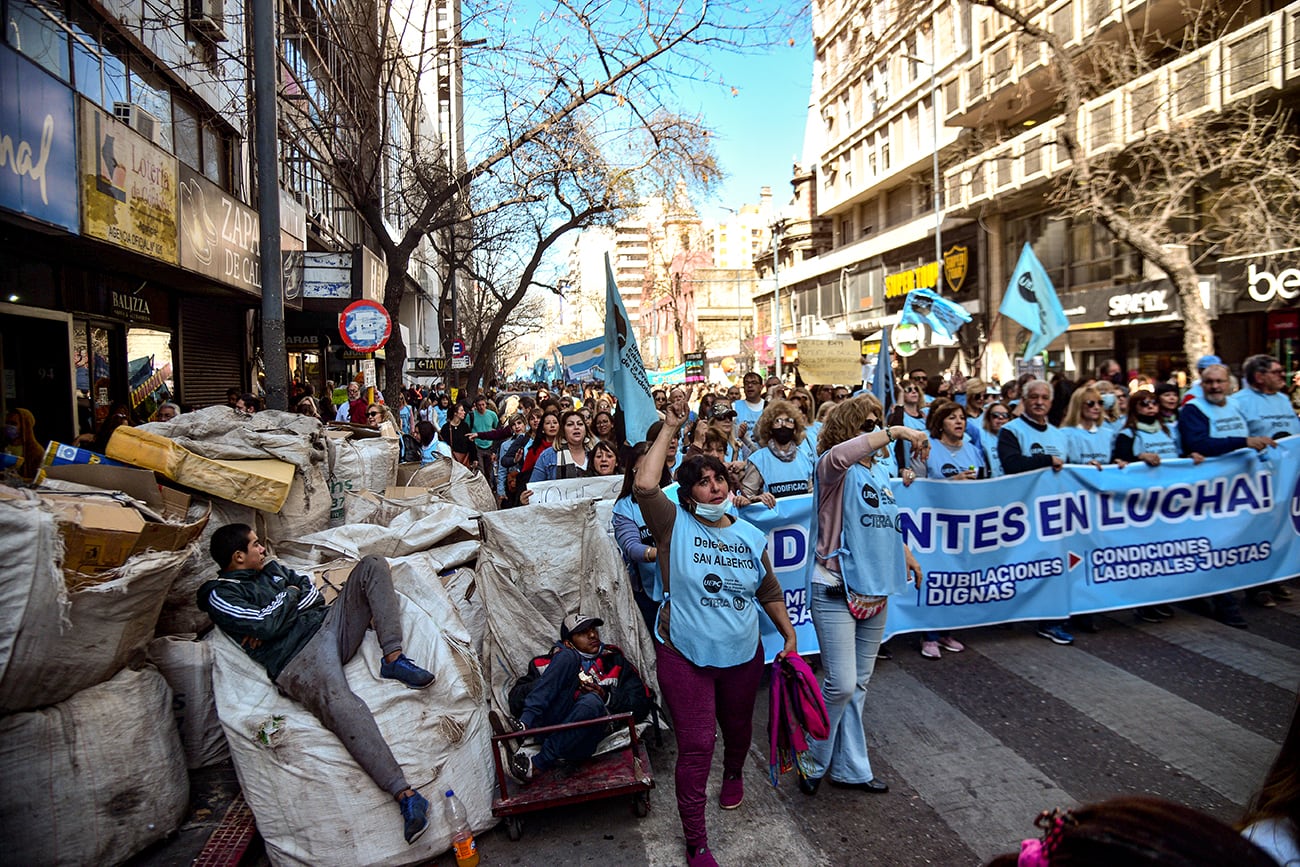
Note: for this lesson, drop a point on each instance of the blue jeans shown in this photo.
(848, 651)
(552, 703)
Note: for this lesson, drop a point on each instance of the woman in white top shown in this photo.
(1272, 820)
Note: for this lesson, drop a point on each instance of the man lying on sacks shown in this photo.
(281, 620)
(581, 678)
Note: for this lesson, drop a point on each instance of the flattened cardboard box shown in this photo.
(97, 545)
(261, 484)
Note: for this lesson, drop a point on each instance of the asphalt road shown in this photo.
(973, 746)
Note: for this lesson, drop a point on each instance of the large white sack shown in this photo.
(220, 433)
(463, 590)
(59, 642)
(94, 779)
(543, 562)
(31, 584)
(305, 511)
(453, 481)
(313, 805)
(180, 613)
(360, 465)
(186, 665)
(450, 528)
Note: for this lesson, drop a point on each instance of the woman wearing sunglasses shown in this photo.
(996, 415)
(1088, 439)
(910, 413)
(861, 562)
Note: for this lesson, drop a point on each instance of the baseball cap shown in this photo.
(722, 411)
(1206, 360)
(577, 623)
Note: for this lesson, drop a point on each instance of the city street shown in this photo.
(976, 744)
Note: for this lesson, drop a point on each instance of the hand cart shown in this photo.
(624, 771)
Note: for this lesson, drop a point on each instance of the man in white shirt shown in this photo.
(749, 409)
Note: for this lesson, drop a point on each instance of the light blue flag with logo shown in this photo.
(943, 316)
(624, 370)
(882, 378)
(1031, 300)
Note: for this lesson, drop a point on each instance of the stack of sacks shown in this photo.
(102, 771)
(312, 803)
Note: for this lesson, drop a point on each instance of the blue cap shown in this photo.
(1206, 360)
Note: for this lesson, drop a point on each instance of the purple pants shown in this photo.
(697, 696)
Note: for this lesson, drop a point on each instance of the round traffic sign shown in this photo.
(457, 348)
(365, 326)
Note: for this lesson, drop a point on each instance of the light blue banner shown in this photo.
(1045, 545)
(790, 547)
(625, 374)
(925, 307)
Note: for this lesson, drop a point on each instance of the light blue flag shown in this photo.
(882, 379)
(624, 370)
(1031, 300)
(943, 316)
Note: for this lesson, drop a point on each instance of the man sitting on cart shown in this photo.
(581, 679)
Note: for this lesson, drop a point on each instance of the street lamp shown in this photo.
(777, 228)
(934, 115)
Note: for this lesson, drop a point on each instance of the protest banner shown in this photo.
(790, 540)
(603, 489)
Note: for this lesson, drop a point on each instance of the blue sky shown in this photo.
(759, 129)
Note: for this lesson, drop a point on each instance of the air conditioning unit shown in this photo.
(139, 120)
(208, 18)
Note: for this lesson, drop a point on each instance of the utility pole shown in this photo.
(275, 355)
(934, 128)
(777, 228)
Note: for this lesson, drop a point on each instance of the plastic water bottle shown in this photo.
(462, 838)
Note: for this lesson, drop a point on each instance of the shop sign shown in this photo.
(38, 143)
(373, 274)
(1135, 304)
(1283, 324)
(425, 366)
(1261, 281)
(219, 235)
(136, 301)
(128, 187)
(302, 341)
(957, 277)
(327, 275)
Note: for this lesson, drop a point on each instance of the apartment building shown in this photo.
(130, 271)
(989, 104)
(1117, 304)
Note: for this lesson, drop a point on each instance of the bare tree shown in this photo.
(1186, 189)
(547, 85)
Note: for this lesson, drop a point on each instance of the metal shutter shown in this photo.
(212, 351)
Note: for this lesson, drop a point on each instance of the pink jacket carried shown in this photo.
(796, 713)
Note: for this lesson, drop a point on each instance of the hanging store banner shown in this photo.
(219, 235)
(38, 143)
(1045, 545)
(327, 275)
(128, 187)
(696, 368)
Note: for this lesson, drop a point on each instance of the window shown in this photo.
(1101, 125)
(898, 205)
(1144, 106)
(1248, 62)
(1063, 23)
(39, 30)
(1033, 157)
(185, 133)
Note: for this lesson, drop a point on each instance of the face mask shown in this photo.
(783, 435)
(711, 512)
(1108, 400)
(11, 432)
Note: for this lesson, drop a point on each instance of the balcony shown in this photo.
(1242, 65)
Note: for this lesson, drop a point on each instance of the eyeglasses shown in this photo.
(373, 414)
(911, 389)
(783, 422)
(1000, 415)
(1091, 403)
(919, 377)
(1274, 370)
(978, 395)
(1148, 401)
(869, 425)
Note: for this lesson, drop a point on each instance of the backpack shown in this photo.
(527, 682)
(410, 451)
